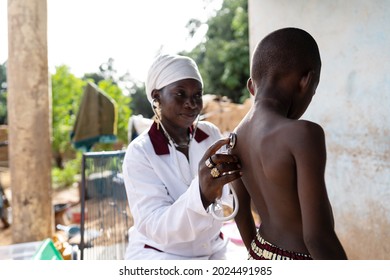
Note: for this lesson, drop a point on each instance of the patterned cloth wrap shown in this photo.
(263, 250)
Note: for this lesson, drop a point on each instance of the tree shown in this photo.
(140, 104)
(106, 72)
(223, 57)
(67, 91)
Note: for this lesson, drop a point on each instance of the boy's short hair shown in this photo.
(284, 50)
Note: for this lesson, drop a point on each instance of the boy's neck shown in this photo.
(272, 104)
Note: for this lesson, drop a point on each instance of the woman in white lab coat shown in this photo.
(173, 171)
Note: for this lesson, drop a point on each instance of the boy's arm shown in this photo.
(309, 151)
(244, 218)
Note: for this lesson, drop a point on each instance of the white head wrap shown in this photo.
(167, 69)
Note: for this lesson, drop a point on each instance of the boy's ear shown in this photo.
(249, 85)
(306, 80)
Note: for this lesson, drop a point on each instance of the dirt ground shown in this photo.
(69, 195)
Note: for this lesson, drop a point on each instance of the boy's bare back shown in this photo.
(283, 158)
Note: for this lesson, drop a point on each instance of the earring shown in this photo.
(157, 112)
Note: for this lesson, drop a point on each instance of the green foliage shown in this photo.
(140, 104)
(3, 108)
(223, 58)
(3, 77)
(67, 91)
(123, 106)
(65, 177)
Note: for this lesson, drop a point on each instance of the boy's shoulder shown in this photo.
(307, 127)
(304, 134)
(293, 133)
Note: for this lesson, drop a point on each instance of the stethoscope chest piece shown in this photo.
(232, 141)
(217, 205)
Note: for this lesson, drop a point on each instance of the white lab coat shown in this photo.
(168, 213)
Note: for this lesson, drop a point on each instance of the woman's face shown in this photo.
(180, 102)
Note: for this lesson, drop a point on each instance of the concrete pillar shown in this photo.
(29, 115)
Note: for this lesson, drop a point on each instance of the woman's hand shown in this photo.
(216, 170)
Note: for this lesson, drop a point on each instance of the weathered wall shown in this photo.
(353, 106)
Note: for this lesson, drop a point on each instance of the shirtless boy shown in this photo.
(283, 158)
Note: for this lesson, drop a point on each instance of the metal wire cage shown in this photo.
(105, 215)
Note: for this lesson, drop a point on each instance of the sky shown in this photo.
(83, 34)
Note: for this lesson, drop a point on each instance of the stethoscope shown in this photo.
(217, 204)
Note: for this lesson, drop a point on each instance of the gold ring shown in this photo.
(215, 172)
(209, 163)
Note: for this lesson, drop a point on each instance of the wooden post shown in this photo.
(29, 118)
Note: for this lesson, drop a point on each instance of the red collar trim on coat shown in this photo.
(160, 142)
